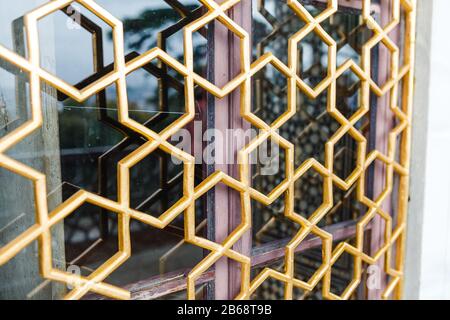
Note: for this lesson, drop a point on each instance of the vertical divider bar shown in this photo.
(384, 124)
(223, 204)
(220, 64)
(210, 168)
(242, 14)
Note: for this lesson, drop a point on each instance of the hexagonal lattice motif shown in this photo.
(152, 140)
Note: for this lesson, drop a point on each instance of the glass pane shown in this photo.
(81, 144)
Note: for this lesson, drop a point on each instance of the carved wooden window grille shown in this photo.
(93, 204)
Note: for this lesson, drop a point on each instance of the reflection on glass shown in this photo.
(80, 144)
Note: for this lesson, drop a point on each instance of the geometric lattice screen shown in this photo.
(391, 152)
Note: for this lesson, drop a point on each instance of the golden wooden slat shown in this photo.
(186, 205)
